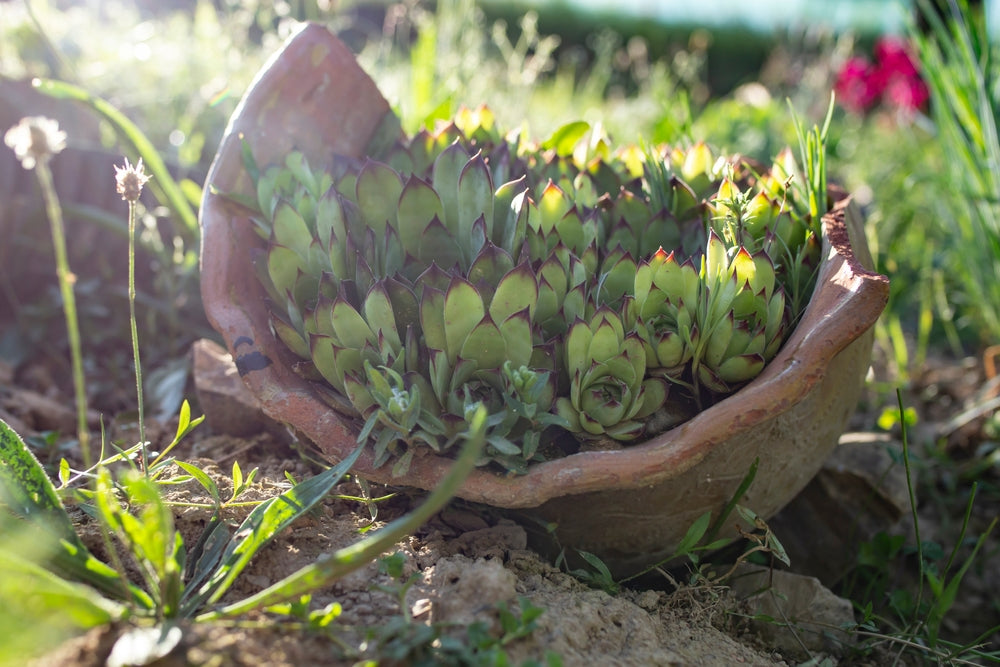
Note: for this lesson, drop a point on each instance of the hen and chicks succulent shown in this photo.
(586, 296)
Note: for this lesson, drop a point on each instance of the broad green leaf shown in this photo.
(564, 140)
(578, 340)
(289, 335)
(378, 312)
(516, 332)
(50, 599)
(484, 345)
(438, 245)
(351, 329)
(284, 266)
(419, 204)
(475, 196)
(516, 291)
(463, 310)
(27, 491)
(445, 175)
(552, 207)
(324, 358)
(291, 231)
(378, 191)
(297, 164)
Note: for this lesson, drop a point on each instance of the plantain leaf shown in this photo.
(27, 491)
(28, 590)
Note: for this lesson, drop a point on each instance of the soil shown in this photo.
(469, 569)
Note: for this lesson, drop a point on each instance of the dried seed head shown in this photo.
(130, 180)
(35, 139)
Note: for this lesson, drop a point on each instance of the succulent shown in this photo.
(576, 291)
(609, 394)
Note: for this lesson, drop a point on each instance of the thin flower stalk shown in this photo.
(129, 181)
(34, 141)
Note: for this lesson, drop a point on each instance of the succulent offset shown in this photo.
(586, 296)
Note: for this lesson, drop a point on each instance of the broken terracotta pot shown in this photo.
(630, 506)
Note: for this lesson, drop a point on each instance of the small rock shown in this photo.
(859, 492)
(37, 412)
(648, 600)
(463, 520)
(493, 542)
(229, 407)
(465, 590)
(804, 613)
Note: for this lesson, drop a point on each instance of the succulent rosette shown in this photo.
(609, 394)
(577, 291)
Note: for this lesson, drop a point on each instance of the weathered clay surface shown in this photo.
(630, 506)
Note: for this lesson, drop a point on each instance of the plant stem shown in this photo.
(66, 280)
(135, 331)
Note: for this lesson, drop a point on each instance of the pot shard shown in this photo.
(631, 507)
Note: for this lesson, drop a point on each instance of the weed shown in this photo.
(403, 641)
(909, 615)
(169, 590)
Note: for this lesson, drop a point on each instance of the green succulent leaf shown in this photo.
(378, 191)
(463, 310)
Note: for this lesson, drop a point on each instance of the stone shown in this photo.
(796, 613)
(860, 492)
(229, 407)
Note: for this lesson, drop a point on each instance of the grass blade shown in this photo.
(263, 524)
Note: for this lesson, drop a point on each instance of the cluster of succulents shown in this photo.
(585, 295)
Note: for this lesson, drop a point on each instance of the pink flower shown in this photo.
(894, 79)
(893, 57)
(855, 86)
(906, 93)
(897, 75)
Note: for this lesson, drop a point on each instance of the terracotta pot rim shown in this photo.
(846, 302)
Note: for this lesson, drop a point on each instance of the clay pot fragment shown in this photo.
(630, 506)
